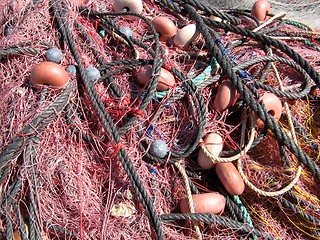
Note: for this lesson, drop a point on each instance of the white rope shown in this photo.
(265, 193)
(215, 159)
(189, 195)
(254, 188)
(275, 17)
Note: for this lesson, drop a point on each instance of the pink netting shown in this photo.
(81, 185)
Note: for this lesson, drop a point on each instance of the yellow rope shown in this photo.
(265, 193)
(275, 17)
(215, 159)
(239, 163)
(286, 105)
(254, 188)
(189, 194)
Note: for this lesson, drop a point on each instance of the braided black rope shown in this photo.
(249, 98)
(215, 219)
(232, 209)
(15, 148)
(269, 41)
(243, 13)
(34, 217)
(107, 121)
(13, 191)
(114, 89)
(287, 204)
(210, 10)
(287, 95)
(265, 72)
(22, 227)
(299, 201)
(9, 228)
(34, 227)
(18, 50)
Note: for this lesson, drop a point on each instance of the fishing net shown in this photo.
(80, 161)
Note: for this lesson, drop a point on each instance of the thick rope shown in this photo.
(22, 227)
(189, 194)
(247, 96)
(215, 219)
(307, 84)
(216, 159)
(254, 188)
(107, 121)
(15, 148)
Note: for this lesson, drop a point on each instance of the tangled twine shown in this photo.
(113, 120)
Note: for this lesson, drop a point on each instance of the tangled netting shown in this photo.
(75, 162)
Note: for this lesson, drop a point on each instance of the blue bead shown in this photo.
(126, 31)
(92, 73)
(54, 55)
(153, 170)
(159, 149)
(72, 69)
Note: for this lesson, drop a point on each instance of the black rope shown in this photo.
(259, 84)
(21, 224)
(215, 219)
(247, 96)
(18, 50)
(210, 10)
(107, 121)
(269, 41)
(286, 203)
(28, 133)
(30, 160)
(9, 228)
(299, 201)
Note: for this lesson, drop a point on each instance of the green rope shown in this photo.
(200, 79)
(243, 209)
(298, 24)
(245, 212)
(310, 44)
